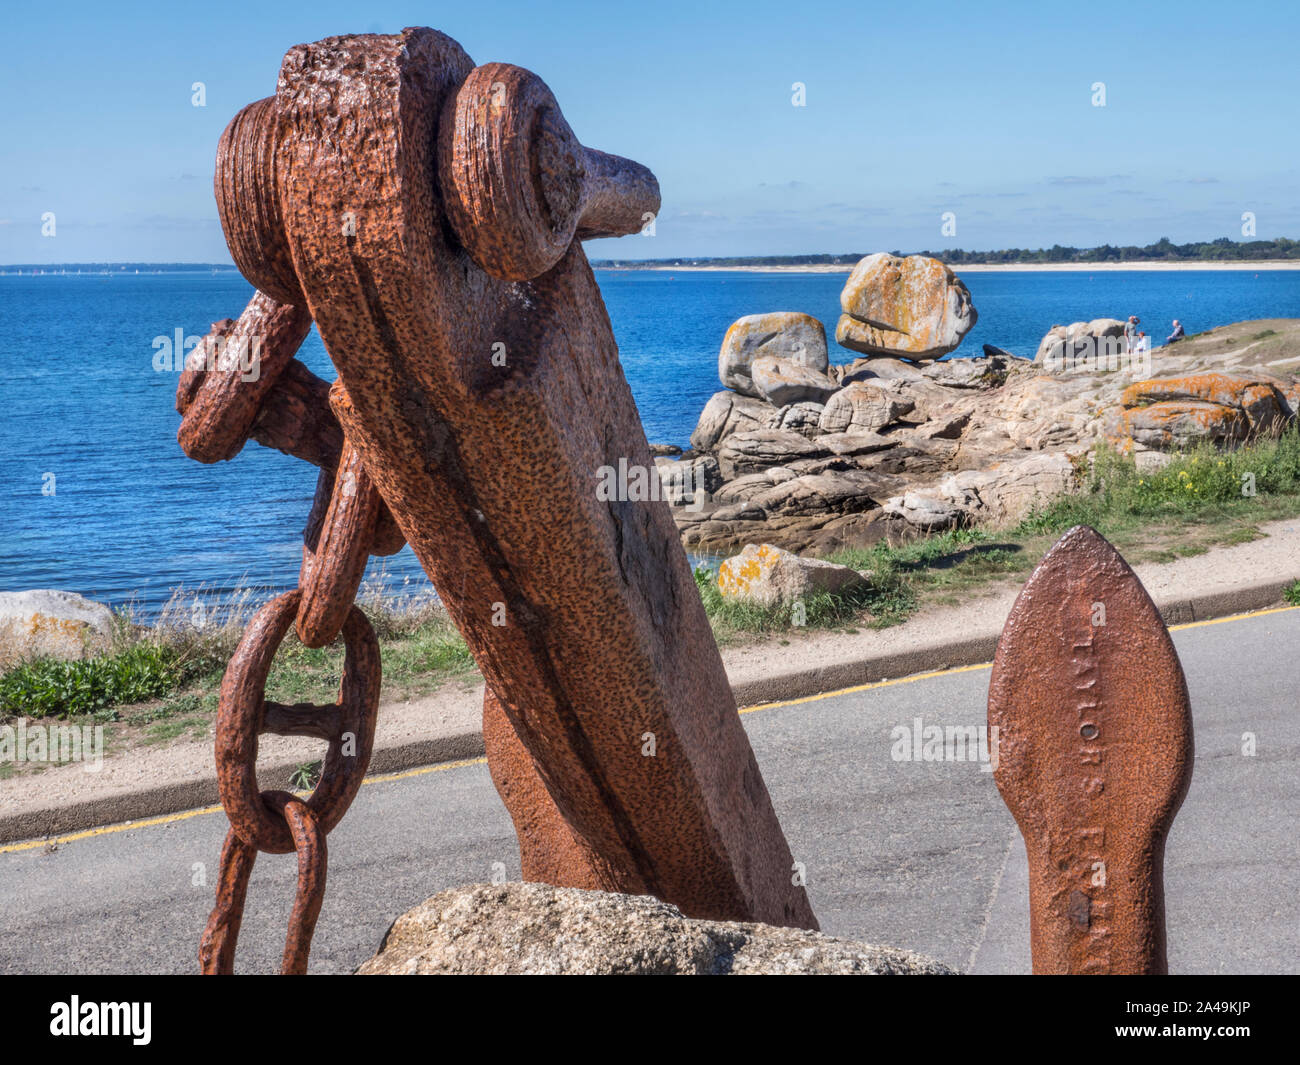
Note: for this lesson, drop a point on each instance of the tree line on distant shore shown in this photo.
(1162, 250)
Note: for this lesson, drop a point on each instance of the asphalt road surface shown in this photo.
(921, 855)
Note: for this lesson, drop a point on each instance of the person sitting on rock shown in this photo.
(1177, 334)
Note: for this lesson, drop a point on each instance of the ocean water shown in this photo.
(96, 496)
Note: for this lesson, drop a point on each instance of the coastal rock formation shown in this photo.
(914, 307)
(999, 495)
(780, 381)
(862, 408)
(768, 575)
(727, 413)
(536, 929)
(901, 449)
(801, 338)
(802, 418)
(1064, 343)
(50, 624)
(1221, 408)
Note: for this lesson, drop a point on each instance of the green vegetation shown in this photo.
(1202, 499)
(161, 682)
(50, 688)
(1164, 250)
(305, 775)
(164, 678)
(1291, 593)
(1199, 488)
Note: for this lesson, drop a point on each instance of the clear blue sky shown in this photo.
(913, 109)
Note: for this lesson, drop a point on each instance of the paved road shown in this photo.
(920, 855)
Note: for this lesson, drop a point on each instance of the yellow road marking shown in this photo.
(865, 687)
(406, 774)
(985, 665)
(167, 819)
(1232, 617)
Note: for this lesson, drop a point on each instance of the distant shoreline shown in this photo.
(984, 268)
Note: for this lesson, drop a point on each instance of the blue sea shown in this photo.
(96, 496)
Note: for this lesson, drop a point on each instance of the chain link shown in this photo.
(218, 417)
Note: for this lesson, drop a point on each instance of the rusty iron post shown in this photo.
(427, 213)
(1094, 756)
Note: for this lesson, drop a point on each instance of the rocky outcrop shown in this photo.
(802, 418)
(1223, 409)
(780, 381)
(535, 929)
(51, 624)
(768, 576)
(1065, 344)
(900, 448)
(914, 307)
(1000, 495)
(860, 407)
(800, 338)
(727, 413)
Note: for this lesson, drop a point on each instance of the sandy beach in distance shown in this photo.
(979, 268)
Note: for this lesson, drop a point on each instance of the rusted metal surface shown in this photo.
(223, 402)
(334, 562)
(581, 613)
(1094, 756)
(275, 821)
(244, 710)
(479, 396)
(519, 187)
(220, 938)
(550, 849)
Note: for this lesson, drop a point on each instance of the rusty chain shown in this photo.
(221, 411)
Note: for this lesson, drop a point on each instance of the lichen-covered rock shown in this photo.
(862, 408)
(1182, 423)
(769, 575)
(536, 929)
(1260, 401)
(914, 307)
(51, 624)
(782, 381)
(800, 338)
(727, 413)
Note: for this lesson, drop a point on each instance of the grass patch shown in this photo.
(162, 681)
(164, 678)
(733, 618)
(305, 775)
(1200, 500)
(1291, 593)
(93, 686)
(1199, 488)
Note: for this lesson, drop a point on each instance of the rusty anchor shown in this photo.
(427, 215)
(1094, 756)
